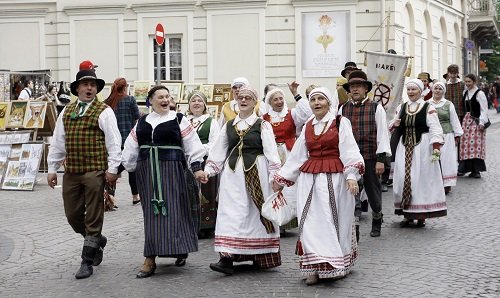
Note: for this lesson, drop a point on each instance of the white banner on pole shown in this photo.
(386, 72)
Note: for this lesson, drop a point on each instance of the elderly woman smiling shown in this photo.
(418, 186)
(325, 163)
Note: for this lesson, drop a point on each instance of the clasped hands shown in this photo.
(201, 176)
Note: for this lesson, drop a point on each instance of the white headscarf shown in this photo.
(270, 95)
(333, 100)
(441, 84)
(416, 82)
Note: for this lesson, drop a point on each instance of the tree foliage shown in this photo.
(493, 61)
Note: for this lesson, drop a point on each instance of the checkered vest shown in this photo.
(85, 146)
(454, 93)
(364, 126)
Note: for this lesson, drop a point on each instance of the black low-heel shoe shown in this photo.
(421, 223)
(145, 274)
(225, 265)
(134, 202)
(180, 262)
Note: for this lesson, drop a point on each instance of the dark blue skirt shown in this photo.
(175, 233)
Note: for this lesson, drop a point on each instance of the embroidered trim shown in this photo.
(214, 166)
(133, 134)
(274, 166)
(247, 243)
(282, 181)
(359, 165)
(439, 205)
(187, 130)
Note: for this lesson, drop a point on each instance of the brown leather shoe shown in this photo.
(148, 268)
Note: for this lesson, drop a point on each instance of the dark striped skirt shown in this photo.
(175, 233)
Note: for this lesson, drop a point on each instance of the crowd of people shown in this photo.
(198, 177)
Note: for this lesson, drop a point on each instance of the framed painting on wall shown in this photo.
(208, 90)
(175, 90)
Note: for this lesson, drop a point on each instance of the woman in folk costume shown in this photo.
(473, 142)
(208, 130)
(287, 124)
(418, 185)
(325, 163)
(452, 130)
(156, 149)
(246, 156)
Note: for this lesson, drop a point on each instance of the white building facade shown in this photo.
(213, 41)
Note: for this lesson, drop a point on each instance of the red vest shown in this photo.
(284, 132)
(324, 154)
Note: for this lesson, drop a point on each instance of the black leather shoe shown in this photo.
(376, 227)
(421, 223)
(405, 223)
(145, 274)
(85, 271)
(384, 188)
(181, 260)
(99, 254)
(475, 175)
(225, 265)
(460, 174)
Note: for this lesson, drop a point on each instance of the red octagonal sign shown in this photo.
(159, 34)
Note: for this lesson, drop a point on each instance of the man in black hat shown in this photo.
(342, 93)
(86, 138)
(369, 126)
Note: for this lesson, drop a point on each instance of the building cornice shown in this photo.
(231, 4)
(23, 12)
(309, 3)
(94, 10)
(163, 7)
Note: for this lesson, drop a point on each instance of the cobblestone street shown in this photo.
(455, 256)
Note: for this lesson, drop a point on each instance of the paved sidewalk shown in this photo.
(455, 256)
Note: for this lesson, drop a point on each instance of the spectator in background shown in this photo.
(496, 89)
(127, 113)
(27, 92)
(455, 90)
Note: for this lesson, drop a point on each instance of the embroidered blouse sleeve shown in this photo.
(212, 136)
(435, 129)
(396, 117)
(455, 122)
(354, 165)
(130, 151)
(290, 171)
(301, 112)
(270, 148)
(193, 148)
(218, 153)
(112, 138)
(383, 140)
(483, 103)
(57, 149)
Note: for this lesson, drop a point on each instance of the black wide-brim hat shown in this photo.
(351, 68)
(358, 76)
(86, 74)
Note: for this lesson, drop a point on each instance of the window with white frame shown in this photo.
(170, 59)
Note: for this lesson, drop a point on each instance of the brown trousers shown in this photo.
(84, 201)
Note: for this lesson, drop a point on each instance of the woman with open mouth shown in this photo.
(246, 157)
(159, 148)
(287, 124)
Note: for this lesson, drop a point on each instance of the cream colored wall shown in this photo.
(117, 36)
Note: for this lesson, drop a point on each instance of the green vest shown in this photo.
(444, 117)
(249, 148)
(204, 130)
(85, 145)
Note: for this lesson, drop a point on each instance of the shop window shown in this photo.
(170, 59)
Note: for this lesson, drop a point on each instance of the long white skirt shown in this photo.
(319, 238)
(449, 163)
(289, 193)
(238, 229)
(427, 190)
